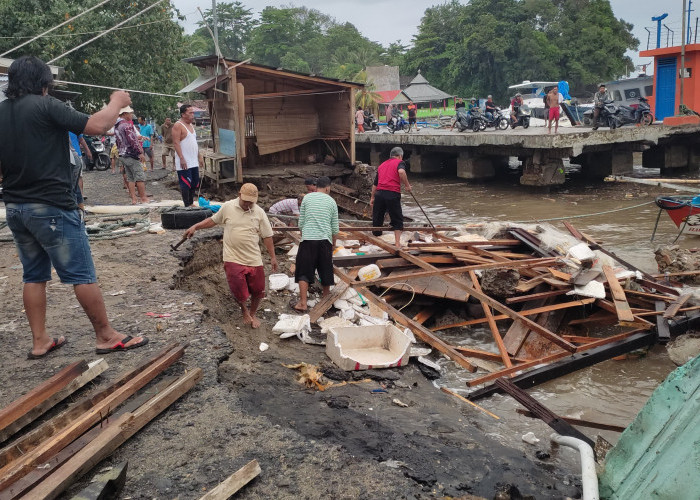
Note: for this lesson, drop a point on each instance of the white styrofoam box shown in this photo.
(592, 289)
(367, 347)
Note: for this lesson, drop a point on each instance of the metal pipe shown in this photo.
(104, 32)
(683, 39)
(55, 27)
(589, 478)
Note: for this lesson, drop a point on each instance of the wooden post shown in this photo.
(233, 119)
(492, 324)
(351, 92)
(241, 120)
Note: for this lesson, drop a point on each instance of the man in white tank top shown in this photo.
(187, 157)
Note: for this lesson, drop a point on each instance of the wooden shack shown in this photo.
(261, 116)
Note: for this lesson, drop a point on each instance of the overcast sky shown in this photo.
(372, 17)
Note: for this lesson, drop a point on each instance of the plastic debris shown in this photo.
(291, 325)
(264, 347)
(428, 363)
(278, 281)
(400, 403)
(530, 438)
(591, 289)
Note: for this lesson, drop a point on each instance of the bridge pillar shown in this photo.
(473, 167)
(542, 169)
(671, 156)
(603, 163)
(375, 155)
(422, 162)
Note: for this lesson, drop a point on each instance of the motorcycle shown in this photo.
(522, 117)
(641, 115)
(462, 120)
(370, 121)
(498, 120)
(398, 123)
(478, 120)
(607, 115)
(100, 157)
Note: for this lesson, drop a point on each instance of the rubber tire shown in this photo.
(502, 124)
(375, 127)
(476, 125)
(612, 123)
(647, 119)
(526, 123)
(102, 163)
(182, 218)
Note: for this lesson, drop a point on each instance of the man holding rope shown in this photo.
(46, 224)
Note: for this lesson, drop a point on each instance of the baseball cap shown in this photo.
(249, 192)
(126, 110)
(310, 181)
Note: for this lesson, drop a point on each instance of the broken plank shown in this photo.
(234, 482)
(19, 408)
(535, 296)
(597, 317)
(113, 437)
(105, 486)
(579, 422)
(542, 412)
(676, 305)
(23, 464)
(622, 307)
(485, 355)
(424, 315)
(459, 396)
(595, 352)
(528, 312)
(327, 302)
(559, 274)
(466, 244)
(662, 323)
(578, 339)
(492, 324)
(359, 260)
(396, 263)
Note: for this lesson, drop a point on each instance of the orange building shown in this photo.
(667, 83)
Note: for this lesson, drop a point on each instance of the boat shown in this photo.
(533, 92)
(684, 212)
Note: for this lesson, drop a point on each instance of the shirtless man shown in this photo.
(188, 160)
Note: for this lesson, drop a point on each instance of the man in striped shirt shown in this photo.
(318, 221)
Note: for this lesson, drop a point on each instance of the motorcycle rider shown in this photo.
(490, 110)
(515, 104)
(459, 104)
(599, 100)
(388, 113)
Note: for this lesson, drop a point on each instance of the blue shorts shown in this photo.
(46, 235)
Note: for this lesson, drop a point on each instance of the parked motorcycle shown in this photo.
(100, 157)
(370, 121)
(641, 114)
(607, 115)
(462, 120)
(498, 120)
(478, 120)
(398, 123)
(522, 117)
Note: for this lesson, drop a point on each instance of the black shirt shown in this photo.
(34, 152)
(460, 105)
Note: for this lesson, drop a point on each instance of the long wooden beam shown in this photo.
(458, 270)
(492, 324)
(113, 437)
(371, 228)
(419, 330)
(622, 307)
(466, 244)
(552, 337)
(22, 465)
(227, 488)
(579, 422)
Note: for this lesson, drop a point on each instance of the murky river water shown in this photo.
(610, 392)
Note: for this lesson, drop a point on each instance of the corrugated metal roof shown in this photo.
(202, 83)
(387, 95)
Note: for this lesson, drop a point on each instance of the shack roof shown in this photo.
(420, 90)
(249, 67)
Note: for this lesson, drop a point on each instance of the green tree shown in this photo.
(145, 55)
(235, 24)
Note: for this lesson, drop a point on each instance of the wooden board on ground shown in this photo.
(624, 313)
(235, 482)
(676, 305)
(662, 323)
(427, 286)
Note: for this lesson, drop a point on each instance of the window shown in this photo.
(616, 95)
(631, 94)
(649, 90)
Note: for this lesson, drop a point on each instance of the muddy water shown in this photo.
(610, 392)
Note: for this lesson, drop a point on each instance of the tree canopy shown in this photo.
(144, 54)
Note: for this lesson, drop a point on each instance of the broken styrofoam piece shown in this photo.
(367, 319)
(592, 289)
(342, 252)
(369, 249)
(291, 323)
(581, 252)
(287, 335)
(342, 305)
(429, 364)
(410, 335)
(349, 314)
(332, 322)
(624, 274)
(278, 281)
(264, 347)
(311, 303)
(293, 287)
(293, 251)
(419, 351)
(530, 438)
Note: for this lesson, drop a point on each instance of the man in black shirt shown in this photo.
(40, 202)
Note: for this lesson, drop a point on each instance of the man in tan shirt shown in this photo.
(244, 224)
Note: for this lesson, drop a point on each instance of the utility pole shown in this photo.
(683, 40)
(216, 23)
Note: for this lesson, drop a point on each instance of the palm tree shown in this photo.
(366, 97)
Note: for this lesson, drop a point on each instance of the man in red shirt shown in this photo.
(386, 193)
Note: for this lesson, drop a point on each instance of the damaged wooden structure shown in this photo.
(539, 320)
(46, 460)
(263, 116)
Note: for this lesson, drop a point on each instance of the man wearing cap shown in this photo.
(42, 212)
(318, 221)
(244, 224)
(130, 155)
(310, 184)
(599, 100)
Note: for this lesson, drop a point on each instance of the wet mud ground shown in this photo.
(345, 442)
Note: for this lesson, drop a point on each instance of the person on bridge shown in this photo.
(412, 112)
(599, 100)
(515, 104)
(554, 99)
(386, 193)
(490, 108)
(458, 105)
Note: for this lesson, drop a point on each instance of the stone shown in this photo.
(684, 348)
(500, 282)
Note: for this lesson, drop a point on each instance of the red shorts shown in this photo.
(554, 113)
(245, 281)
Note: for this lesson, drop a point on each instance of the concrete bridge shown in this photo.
(478, 155)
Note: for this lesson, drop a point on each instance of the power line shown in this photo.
(89, 32)
(115, 88)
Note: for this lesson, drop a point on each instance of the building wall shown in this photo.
(383, 77)
(691, 90)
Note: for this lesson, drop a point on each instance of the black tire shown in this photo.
(526, 122)
(612, 123)
(182, 218)
(102, 162)
(647, 119)
(476, 125)
(502, 124)
(375, 127)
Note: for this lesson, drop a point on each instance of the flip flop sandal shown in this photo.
(121, 346)
(53, 347)
(294, 302)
